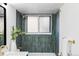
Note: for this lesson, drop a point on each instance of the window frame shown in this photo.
(38, 33)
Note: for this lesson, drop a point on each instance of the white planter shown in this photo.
(13, 45)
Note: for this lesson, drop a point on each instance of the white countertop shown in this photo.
(15, 53)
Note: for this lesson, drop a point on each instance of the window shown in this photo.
(32, 24)
(44, 24)
(1, 25)
(38, 24)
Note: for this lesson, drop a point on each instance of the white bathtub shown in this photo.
(41, 54)
(28, 54)
(16, 54)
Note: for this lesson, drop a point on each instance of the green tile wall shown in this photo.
(1, 41)
(37, 43)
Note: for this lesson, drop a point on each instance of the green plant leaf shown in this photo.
(16, 31)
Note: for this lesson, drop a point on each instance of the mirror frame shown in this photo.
(4, 23)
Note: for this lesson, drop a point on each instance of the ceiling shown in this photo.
(30, 8)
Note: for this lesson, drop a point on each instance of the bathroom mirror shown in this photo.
(2, 25)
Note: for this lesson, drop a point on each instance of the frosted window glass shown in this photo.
(44, 24)
(1, 24)
(32, 24)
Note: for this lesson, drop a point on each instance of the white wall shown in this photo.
(11, 21)
(69, 27)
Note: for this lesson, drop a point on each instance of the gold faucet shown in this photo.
(71, 42)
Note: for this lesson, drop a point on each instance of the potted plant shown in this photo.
(16, 31)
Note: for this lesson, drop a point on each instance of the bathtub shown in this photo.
(28, 54)
(41, 54)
